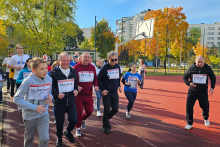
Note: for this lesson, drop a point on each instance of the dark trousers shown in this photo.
(17, 86)
(131, 96)
(1, 95)
(110, 100)
(142, 78)
(203, 102)
(12, 82)
(60, 117)
(8, 80)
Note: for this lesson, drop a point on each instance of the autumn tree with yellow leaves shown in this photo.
(199, 49)
(3, 39)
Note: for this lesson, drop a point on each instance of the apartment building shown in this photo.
(87, 32)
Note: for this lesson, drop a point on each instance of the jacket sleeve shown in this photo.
(55, 91)
(212, 78)
(95, 82)
(186, 77)
(19, 97)
(100, 78)
(20, 77)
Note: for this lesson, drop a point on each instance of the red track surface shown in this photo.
(158, 119)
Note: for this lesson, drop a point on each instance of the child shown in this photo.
(24, 73)
(1, 85)
(33, 97)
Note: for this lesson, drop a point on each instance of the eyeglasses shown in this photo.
(114, 60)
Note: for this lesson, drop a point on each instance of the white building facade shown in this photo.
(209, 32)
(87, 32)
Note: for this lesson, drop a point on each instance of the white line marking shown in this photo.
(134, 134)
(80, 142)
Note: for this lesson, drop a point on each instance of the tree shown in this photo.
(109, 36)
(3, 39)
(193, 35)
(175, 19)
(41, 26)
(75, 41)
(213, 54)
(198, 50)
(86, 45)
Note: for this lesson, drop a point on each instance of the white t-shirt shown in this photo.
(65, 71)
(5, 62)
(18, 61)
(93, 64)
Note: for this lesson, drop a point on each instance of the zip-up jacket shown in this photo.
(205, 71)
(87, 86)
(105, 83)
(69, 98)
(20, 76)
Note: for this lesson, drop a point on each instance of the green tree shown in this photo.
(76, 40)
(193, 35)
(3, 39)
(86, 45)
(41, 25)
(100, 43)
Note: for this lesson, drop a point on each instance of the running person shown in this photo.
(141, 71)
(109, 83)
(130, 80)
(198, 74)
(86, 78)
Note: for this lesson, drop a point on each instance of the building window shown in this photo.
(209, 28)
(212, 28)
(210, 38)
(218, 38)
(210, 33)
(218, 33)
(218, 43)
(218, 28)
(210, 43)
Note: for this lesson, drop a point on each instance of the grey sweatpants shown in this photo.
(40, 124)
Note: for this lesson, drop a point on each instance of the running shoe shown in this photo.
(105, 130)
(128, 116)
(99, 114)
(83, 126)
(59, 142)
(187, 127)
(70, 137)
(207, 123)
(78, 132)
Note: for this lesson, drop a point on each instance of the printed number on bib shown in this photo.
(199, 78)
(133, 82)
(113, 73)
(86, 76)
(39, 91)
(26, 74)
(66, 85)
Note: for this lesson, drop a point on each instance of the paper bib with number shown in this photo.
(66, 85)
(113, 73)
(39, 91)
(86, 76)
(26, 74)
(199, 78)
(133, 82)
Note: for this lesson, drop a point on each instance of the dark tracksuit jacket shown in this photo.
(111, 85)
(200, 92)
(66, 104)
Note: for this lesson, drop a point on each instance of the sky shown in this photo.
(196, 11)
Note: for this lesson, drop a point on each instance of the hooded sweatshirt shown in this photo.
(194, 73)
(82, 72)
(23, 74)
(31, 88)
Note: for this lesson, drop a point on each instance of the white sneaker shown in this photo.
(187, 127)
(95, 104)
(99, 114)
(207, 123)
(128, 116)
(78, 132)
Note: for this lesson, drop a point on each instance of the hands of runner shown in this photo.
(19, 68)
(128, 84)
(211, 90)
(40, 109)
(79, 88)
(48, 99)
(104, 92)
(96, 88)
(192, 85)
(61, 95)
(119, 89)
(75, 92)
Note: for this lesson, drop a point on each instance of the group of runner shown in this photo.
(70, 86)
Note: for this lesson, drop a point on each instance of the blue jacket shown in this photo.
(2, 83)
(20, 76)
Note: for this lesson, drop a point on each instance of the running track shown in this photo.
(158, 119)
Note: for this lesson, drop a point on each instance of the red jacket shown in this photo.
(88, 70)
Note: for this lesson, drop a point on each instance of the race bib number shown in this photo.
(66, 85)
(26, 74)
(113, 73)
(199, 78)
(39, 91)
(86, 76)
(133, 82)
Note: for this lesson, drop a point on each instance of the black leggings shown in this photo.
(12, 82)
(131, 96)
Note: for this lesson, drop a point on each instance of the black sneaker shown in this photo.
(105, 130)
(109, 126)
(70, 137)
(59, 143)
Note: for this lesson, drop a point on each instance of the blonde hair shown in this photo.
(18, 46)
(36, 61)
(56, 63)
